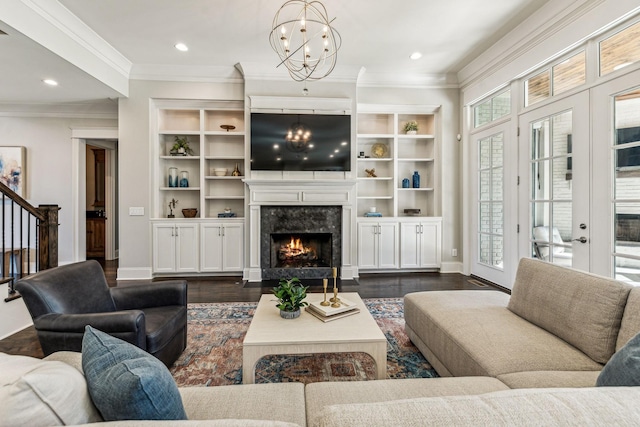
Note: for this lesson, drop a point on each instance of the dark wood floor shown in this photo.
(232, 289)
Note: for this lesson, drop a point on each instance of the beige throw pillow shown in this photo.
(36, 393)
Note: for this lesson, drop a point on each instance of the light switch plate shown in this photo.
(136, 211)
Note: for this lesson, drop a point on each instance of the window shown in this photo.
(490, 203)
(566, 75)
(492, 109)
(620, 50)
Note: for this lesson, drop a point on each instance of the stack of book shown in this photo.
(328, 313)
(373, 214)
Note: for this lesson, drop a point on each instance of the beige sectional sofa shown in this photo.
(557, 329)
(536, 367)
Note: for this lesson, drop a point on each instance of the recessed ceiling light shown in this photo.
(343, 143)
(416, 55)
(182, 47)
(50, 82)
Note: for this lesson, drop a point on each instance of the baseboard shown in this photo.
(451, 267)
(134, 274)
(14, 315)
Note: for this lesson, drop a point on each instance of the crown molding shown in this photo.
(538, 28)
(53, 26)
(184, 73)
(409, 80)
(106, 109)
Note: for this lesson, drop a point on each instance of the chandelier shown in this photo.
(298, 137)
(304, 39)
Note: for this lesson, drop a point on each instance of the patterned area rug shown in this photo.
(214, 350)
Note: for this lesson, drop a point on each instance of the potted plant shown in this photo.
(411, 127)
(291, 294)
(181, 146)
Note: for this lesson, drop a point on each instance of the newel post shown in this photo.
(48, 236)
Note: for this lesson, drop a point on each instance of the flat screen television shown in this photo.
(300, 142)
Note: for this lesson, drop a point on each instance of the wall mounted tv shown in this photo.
(300, 142)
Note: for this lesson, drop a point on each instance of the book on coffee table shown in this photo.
(345, 305)
(311, 310)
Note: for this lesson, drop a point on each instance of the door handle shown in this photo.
(581, 239)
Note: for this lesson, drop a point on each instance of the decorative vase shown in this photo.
(236, 171)
(290, 314)
(173, 177)
(184, 179)
(405, 183)
(416, 180)
(412, 132)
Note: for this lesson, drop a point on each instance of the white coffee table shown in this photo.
(270, 334)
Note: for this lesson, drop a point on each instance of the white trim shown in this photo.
(287, 104)
(134, 274)
(451, 267)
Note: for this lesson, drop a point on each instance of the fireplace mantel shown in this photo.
(302, 193)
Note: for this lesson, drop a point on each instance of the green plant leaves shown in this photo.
(291, 294)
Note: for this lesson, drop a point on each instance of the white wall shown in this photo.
(49, 173)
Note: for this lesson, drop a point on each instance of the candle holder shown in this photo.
(325, 302)
(335, 298)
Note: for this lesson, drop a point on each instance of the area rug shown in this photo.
(214, 350)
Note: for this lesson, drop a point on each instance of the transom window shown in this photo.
(620, 50)
(565, 75)
(492, 109)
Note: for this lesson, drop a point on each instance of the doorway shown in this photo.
(554, 192)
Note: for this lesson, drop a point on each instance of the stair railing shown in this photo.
(29, 238)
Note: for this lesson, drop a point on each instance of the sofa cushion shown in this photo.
(321, 394)
(127, 383)
(550, 379)
(583, 309)
(473, 334)
(623, 369)
(525, 407)
(36, 393)
(630, 325)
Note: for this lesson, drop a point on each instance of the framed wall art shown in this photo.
(13, 162)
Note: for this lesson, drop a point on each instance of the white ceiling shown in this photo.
(377, 35)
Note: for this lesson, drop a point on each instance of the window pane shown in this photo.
(485, 185)
(627, 269)
(537, 88)
(627, 228)
(497, 150)
(485, 153)
(498, 218)
(498, 251)
(485, 217)
(482, 113)
(620, 50)
(501, 105)
(570, 73)
(541, 180)
(485, 248)
(497, 184)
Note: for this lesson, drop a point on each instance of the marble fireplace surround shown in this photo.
(304, 193)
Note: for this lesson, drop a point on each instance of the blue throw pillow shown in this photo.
(623, 369)
(127, 383)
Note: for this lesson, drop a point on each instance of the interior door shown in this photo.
(554, 190)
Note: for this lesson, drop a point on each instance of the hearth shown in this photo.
(300, 241)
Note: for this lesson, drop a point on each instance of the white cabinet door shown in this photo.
(164, 248)
(222, 247)
(367, 245)
(388, 245)
(233, 247)
(186, 241)
(430, 256)
(211, 247)
(410, 245)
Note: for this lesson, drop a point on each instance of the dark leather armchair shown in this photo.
(63, 300)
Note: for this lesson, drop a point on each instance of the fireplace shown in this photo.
(300, 241)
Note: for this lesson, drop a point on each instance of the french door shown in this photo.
(494, 232)
(555, 186)
(616, 178)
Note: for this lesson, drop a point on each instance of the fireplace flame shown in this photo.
(295, 249)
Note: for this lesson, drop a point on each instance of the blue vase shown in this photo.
(416, 180)
(184, 179)
(405, 183)
(173, 177)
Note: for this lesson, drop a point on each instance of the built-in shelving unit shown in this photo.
(397, 240)
(383, 145)
(216, 134)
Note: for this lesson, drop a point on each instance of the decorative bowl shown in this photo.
(220, 171)
(190, 212)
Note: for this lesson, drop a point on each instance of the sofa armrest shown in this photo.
(159, 294)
